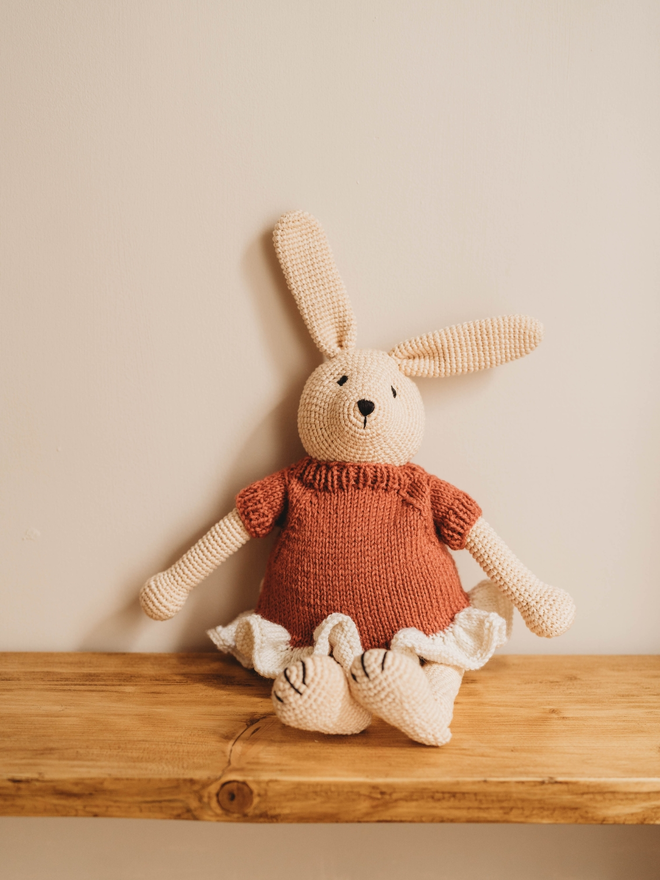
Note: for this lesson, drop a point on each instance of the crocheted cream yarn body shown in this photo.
(361, 611)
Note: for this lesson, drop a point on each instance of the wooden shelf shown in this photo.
(193, 736)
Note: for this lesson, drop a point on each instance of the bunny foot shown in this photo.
(395, 687)
(313, 694)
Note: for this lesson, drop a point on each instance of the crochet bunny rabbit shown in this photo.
(361, 611)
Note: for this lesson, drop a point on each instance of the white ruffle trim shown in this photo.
(468, 642)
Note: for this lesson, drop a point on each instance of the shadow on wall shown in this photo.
(272, 445)
(124, 849)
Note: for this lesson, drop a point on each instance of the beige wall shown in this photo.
(124, 849)
(466, 158)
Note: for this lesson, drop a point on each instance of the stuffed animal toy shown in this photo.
(361, 611)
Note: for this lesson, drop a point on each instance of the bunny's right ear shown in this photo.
(309, 268)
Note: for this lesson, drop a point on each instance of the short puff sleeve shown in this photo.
(454, 513)
(262, 505)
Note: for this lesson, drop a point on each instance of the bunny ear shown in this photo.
(465, 348)
(309, 268)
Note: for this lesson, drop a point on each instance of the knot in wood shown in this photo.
(235, 797)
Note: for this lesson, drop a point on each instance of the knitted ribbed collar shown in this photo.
(335, 476)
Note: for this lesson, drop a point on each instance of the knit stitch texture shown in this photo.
(464, 348)
(366, 540)
(311, 274)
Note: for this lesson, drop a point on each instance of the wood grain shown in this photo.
(193, 736)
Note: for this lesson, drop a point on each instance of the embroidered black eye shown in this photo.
(342, 380)
(393, 390)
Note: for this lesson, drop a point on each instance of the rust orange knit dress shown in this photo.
(366, 540)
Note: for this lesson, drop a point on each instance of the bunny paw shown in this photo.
(394, 687)
(161, 597)
(313, 694)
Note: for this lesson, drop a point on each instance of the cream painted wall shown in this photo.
(466, 158)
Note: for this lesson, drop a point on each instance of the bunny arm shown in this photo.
(165, 593)
(547, 611)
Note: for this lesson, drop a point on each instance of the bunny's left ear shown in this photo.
(465, 348)
(309, 268)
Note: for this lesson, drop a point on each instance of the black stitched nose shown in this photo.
(366, 407)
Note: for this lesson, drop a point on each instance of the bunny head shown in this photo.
(360, 405)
